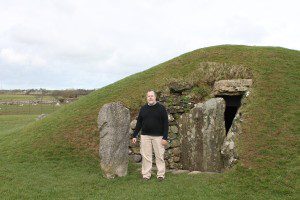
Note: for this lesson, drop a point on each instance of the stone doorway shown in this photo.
(232, 105)
(234, 92)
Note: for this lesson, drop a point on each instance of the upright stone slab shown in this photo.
(203, 132)
(114, 126)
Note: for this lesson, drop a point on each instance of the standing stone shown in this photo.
(203, 132)
(114, 126)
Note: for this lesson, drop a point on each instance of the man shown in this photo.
(153, 120)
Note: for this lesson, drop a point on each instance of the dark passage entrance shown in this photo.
(232, 105)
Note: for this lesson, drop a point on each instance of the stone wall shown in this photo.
(177, 100)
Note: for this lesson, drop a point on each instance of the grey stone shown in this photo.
(175, 143)
(180, 171)
(200, 172)
(203, 132)
(174, 129)
(177, 109)
(231, 87)
(172, 135)
(176, 151)
(136, 158)
(176, 159)
(42, 116)
(114, 125)
(170, 118)
(194, 172)
(130, 151)
(135, 149)
(179, 87)
(133, 124)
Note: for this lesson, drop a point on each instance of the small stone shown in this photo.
(170, 118)
(172, 135)
(176, 159)
(194, 172)
(135, 150)
(180, 171)
(176, 151)
(136, 158)
(179, 87)
(174, 129)
(42, 116)
(175, 143)
(129, 151)
(133, 124)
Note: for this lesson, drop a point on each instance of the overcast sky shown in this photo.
(61, 44)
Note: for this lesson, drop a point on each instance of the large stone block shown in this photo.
(203, 132)
(114, 126)
(231, 87)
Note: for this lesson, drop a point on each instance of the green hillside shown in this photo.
(57, 157)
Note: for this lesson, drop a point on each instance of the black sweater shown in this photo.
(153, 120)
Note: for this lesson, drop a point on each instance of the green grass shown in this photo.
(10, 123)
(56, 158)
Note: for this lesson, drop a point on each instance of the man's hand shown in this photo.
(133, 140)
(164, 142)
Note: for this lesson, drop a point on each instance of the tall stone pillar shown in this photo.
(114, 126)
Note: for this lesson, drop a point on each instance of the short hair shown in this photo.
(151, 90)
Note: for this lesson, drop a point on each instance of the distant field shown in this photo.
(17, 97)
(27, 109)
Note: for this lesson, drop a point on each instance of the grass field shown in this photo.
(28, 109)
(56, 158)
(21, 97)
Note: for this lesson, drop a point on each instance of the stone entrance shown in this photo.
(232, 105)
(209, 130)
(233, 92)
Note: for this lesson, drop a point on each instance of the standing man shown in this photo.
(153, 120)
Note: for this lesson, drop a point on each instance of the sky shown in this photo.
(64, 44)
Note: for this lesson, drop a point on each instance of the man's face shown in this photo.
(151, 99)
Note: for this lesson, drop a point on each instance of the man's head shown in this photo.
(151, 97)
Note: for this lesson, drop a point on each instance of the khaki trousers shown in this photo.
(147, 142)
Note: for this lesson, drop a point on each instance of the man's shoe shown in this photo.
(160, 178)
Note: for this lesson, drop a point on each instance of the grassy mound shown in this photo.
(57, 156)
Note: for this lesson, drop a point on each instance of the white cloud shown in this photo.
(74, 43)
(10, 56)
